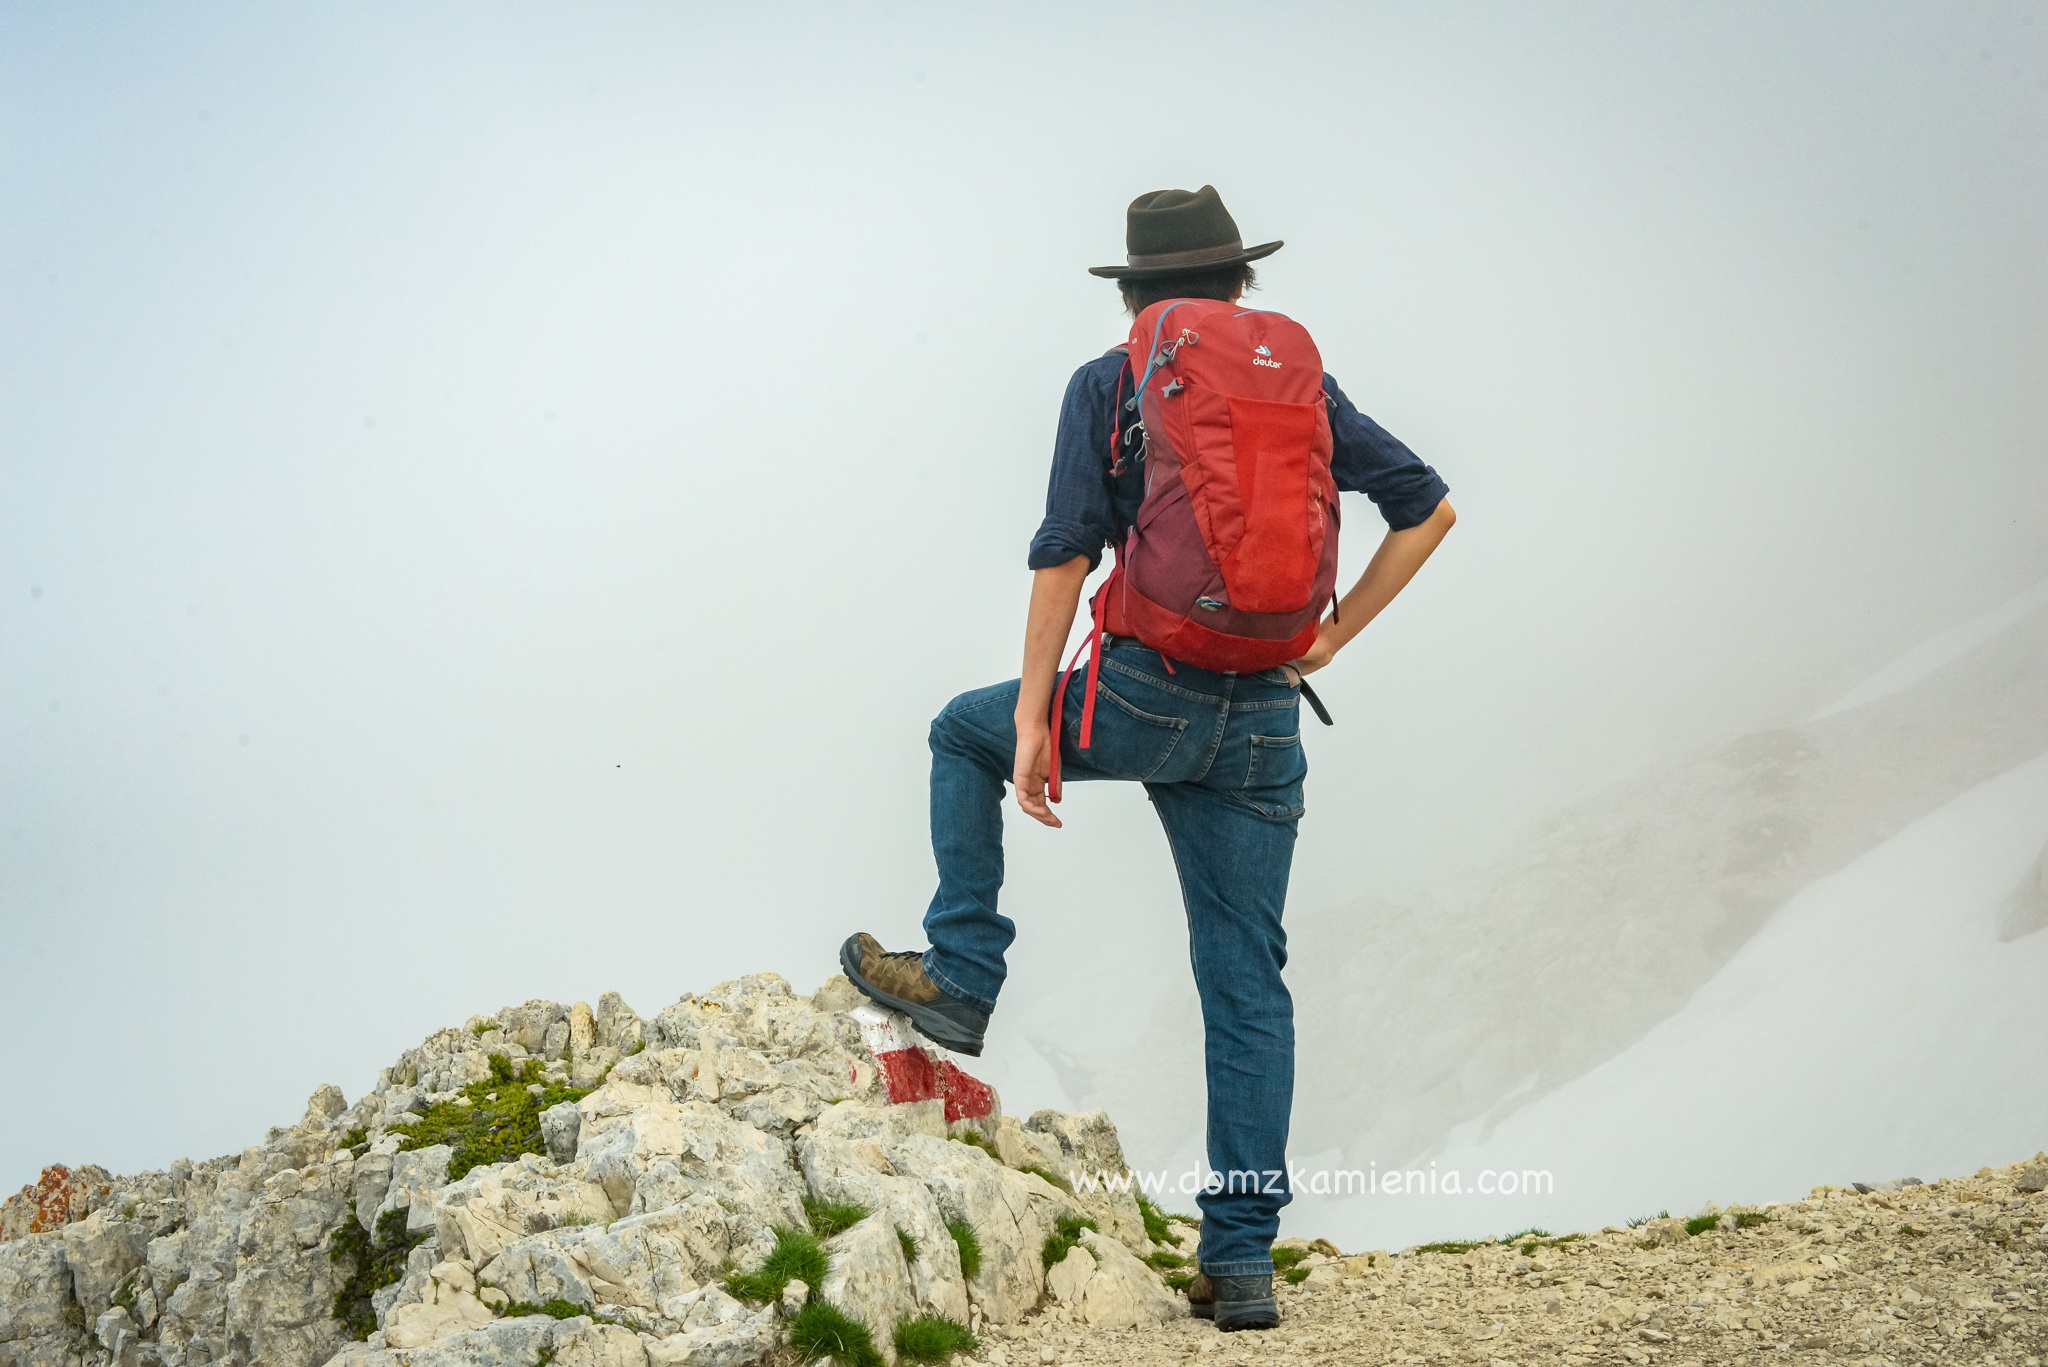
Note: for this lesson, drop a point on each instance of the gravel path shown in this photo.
(1956, 1271)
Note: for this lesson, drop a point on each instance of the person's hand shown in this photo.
(1032, 768)
(1319, 654)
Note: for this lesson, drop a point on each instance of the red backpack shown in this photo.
(1233, 554)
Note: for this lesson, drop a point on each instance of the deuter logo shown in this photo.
(1263, 355)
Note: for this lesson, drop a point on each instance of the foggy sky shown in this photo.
(491, 498)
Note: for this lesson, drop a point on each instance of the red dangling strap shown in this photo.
(1059, 695)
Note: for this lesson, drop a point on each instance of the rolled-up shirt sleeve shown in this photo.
(1367, 459)
(1080, 504)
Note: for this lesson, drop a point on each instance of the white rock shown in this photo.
(1010, 1212)
(868, 1279)
(417, 1176)
(650, 1154)
(1089, 1153)
(495, 1205)
(1070, 1276)
(717, 1331)
(443, 1310)
(847, 1158)
(35, 1289)
(102, 1250)
(838, 994)
(600, 1345)
(582, 1027)
(1124, 1293)
(559, 1125)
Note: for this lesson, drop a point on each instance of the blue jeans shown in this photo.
(1220, 756)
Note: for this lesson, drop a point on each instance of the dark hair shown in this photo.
(1213, 282)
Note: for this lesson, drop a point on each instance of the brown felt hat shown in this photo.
(1168, 231)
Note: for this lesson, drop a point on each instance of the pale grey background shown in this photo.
(491, 497)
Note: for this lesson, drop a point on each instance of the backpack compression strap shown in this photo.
(1093, 645)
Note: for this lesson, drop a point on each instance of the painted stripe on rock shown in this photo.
(912, 1069)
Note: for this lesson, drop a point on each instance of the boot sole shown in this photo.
(1232, 1316)
(933, 1025)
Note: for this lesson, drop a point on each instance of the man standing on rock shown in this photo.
(1209, 452)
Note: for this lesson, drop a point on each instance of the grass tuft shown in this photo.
(797, 1257)
(558, 1308)
(908, 1242)
(1158, 1227)
(1054, 1178)
(977, 1140)
(1749, 1219)
(1164, 1261)
(969, 1245)
(1449, 1246)
(484, 1130)
(822, 1329)
(1180, 1281)
(1285, 1258)
(1700, 1224)
(933, 1338)
(833, 1217)
(1065, 1235)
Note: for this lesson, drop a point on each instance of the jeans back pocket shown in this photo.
(1129, 742)
(1273, 779)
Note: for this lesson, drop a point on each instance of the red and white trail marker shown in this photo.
(913, 1069)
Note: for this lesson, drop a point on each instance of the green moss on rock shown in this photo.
(493, 1121)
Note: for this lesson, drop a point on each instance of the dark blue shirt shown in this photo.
(1087, 508)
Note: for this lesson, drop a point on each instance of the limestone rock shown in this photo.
(102, 1250)
(559, 1126)
(325, 1106)
(1010, 1212)
(371, 1179)
(868, 1278)
(442, 1311)
(600, 1345)
(501, 1202)
(1123, 1293)
(838, 994)
(646, 1268)
(501, 1343)
(1069, 1277)
(866, 1156)
(716, 1331)
(582, 1027)
(1091, 1157)
(56, 1198)
(616, 1024)
(35, 1293)
(417, 1177)
(649, 1154)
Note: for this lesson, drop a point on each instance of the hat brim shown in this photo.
(1263, 250)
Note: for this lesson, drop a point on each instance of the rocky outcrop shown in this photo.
(557, 1183)
(53, 1200)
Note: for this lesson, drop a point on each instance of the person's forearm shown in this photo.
(1055, 594)
(1399, 556)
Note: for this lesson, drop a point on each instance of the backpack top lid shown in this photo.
(1251, 353)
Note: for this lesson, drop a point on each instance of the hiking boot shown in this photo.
(1234, 1302)
(899, 982)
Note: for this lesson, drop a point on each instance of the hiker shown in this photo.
(1208, 452)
